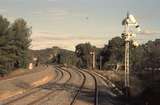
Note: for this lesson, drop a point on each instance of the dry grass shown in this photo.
(118, 79)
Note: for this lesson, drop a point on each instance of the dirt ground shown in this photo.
(18, 82)
(19, 72)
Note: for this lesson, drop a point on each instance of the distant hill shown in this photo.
(50, 54)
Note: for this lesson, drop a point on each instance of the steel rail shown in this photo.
(52, 92)
(79, 90)
(115, 89)
(95, 90)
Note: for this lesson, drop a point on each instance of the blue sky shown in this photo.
(65, 23)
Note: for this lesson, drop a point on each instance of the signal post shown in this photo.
(128, 37)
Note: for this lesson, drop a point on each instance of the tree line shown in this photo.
(146, 55)
(14, 44)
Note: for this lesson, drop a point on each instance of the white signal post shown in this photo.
(93, 59)
(128, 37)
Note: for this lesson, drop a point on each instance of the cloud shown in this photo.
(149, 32)
(2, 10)
(53, 13)
(57, 12)
(62, 36)
(51, 0)
(146, 35)
(42, 40)
(37, 13)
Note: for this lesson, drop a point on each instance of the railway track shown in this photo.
(112, 94)
(70, 75)
(96, 88)
(59, 76)
(49, 89)
(108, 83)
(53, 91)
(73, 102)
(79, 90)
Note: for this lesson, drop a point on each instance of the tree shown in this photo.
(153, 53)
(113, 53)
(146, 55)
(4, 57)
(83, 53)
(116, 50)
(138, 57)
(20, 41)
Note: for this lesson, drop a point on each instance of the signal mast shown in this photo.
(129, 23)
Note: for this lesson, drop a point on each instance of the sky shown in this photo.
(66, 23)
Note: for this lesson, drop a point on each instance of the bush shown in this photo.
(3, 72)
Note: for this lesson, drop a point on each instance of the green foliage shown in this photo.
(83, 52)
(116, 50)
(153, 53)
(84, 57)
(4, 57)
(21, 39)
(113, 53)
(146, 55)
(55, 55)
(137, 57)
(68, 57)
(14, 44)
